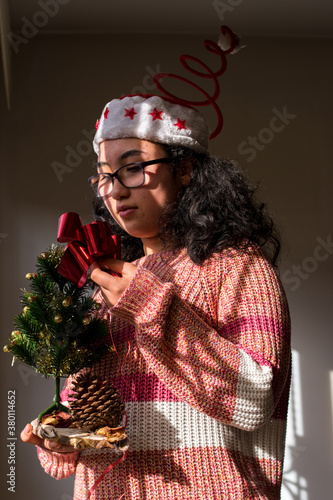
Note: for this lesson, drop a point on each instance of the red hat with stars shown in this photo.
(169, 119)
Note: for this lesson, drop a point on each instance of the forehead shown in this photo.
(131, 149)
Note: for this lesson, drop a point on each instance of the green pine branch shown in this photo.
(58, 331)
(24, 353)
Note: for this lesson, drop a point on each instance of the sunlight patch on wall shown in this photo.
(294, 486)
(331, 386)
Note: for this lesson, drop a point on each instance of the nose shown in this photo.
(119, 191)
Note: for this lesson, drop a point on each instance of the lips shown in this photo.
(125, 210)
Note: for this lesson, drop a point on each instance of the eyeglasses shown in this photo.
(129, 176)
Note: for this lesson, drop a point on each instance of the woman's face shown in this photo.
(138, 210)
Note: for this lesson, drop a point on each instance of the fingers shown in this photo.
(100, 275)
(119, 266)
(112, 287)
(58, 447)
(27, 436)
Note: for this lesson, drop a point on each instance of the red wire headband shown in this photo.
(216, 48)
(170, 119)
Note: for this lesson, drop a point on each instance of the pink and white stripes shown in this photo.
(203, 363)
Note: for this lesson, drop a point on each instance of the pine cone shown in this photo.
(96, 403)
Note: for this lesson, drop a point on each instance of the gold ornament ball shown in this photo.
(6, 348)
(67, 302)
(86, 321)
(15, 333)
(29, 276)
(57, 318)
(26, 309)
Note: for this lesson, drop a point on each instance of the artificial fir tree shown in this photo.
(58, 332)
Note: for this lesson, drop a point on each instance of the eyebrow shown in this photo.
(124, 156)
(131, 152)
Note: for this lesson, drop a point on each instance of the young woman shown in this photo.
(197, 314)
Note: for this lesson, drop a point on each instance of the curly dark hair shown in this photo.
(215, 211)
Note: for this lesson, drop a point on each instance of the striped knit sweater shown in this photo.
(203, 363)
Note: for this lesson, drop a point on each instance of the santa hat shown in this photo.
(155, 119)
(168, 120)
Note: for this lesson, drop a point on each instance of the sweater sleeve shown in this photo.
(234, 372)
(58, 465)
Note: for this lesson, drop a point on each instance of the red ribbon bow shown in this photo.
(85, 245)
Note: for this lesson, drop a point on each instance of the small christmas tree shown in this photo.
(58, 332)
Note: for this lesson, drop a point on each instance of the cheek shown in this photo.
(110, 205)
(153, 204)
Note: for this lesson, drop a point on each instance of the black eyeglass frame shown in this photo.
(141, 164)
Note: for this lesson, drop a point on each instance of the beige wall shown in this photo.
(60, 85)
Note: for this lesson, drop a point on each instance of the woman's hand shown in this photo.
(28, 437)
(112, 286)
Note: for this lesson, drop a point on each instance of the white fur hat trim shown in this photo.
(155, 119)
